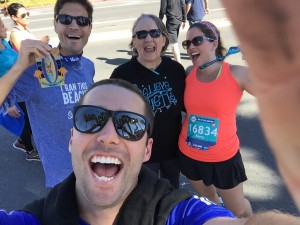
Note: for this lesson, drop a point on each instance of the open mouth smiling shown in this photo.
(73, 36)
(195, 55)
(105, 168)
(149, 49)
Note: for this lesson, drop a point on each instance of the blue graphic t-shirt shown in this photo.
(50, 113)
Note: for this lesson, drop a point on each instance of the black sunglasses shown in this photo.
(196, 41)
(142, 34)
(81, 21)
(91, 119)
(24, 15)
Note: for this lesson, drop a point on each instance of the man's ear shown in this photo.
(70, 142)
(148, 149)
(55, 24)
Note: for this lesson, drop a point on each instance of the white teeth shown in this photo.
(74, 36)
(106, 160)
(102, 178)
(195, 53)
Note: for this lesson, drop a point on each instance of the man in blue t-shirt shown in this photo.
(110, 140)
(196, 10)
(51, 87)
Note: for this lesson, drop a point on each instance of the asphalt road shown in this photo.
(22, 181)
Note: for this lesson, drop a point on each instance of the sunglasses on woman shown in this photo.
(142, 34)
(81, 21)
(24, 15)
(91, 119)
(197, 41)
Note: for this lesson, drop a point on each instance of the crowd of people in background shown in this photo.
(20, 17)
(122, 144)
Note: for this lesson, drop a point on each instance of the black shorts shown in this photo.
(224, 175)
(173, 32)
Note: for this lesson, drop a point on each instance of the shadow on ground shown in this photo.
(120, 61)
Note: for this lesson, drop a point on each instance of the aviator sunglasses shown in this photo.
(24, 15)
(91, 119)
(81, 21)
(197, 41)
(142, 34)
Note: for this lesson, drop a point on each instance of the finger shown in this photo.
(35, 46)
(38, 52)
(17, 114)
(12, 114)
(41, 50)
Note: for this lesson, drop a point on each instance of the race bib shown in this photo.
(202, 132)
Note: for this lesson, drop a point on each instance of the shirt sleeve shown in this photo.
(188, 2)
(18, 218)
(196, 211)
(163, 7)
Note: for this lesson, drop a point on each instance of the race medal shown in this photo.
(202, 132)
(49, 71)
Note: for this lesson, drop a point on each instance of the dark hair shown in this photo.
(85, 3)
(211, 31)
(160, 25)
(12, 9)
(128, 86)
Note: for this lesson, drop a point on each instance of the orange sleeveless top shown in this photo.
(209, 130)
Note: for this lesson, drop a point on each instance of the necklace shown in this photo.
(151, 69)
(73, 60)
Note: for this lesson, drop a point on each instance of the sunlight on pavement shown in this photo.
(263, 181)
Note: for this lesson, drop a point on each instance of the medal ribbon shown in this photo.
(71, 58)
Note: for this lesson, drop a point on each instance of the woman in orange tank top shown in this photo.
(208, 142)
